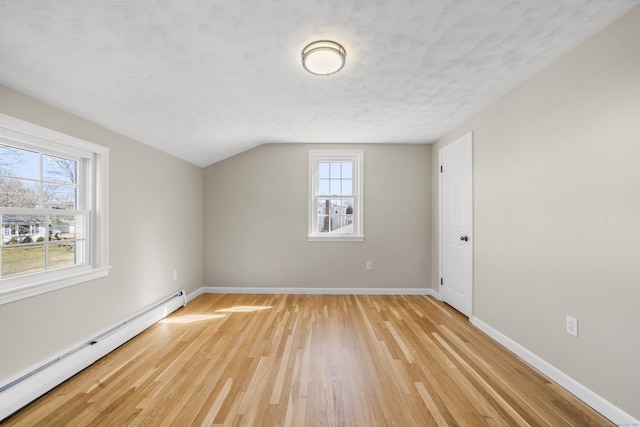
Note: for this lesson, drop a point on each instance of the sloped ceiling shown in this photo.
(206, 79)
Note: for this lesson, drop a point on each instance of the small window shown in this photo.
(53, 206)
(335, 195)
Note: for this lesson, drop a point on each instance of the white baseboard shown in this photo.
(315, 291)
(194, 294)
(603, 406)
(34, 382)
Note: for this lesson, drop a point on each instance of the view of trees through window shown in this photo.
(42, 228)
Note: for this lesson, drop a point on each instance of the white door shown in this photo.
(456, 221)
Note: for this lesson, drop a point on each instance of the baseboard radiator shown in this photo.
(30, 385)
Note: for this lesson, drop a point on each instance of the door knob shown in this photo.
(464, 238)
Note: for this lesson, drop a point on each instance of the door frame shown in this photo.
(458, 141)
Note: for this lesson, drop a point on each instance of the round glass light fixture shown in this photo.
(323, 57)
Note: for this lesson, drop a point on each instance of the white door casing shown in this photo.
(456, 224)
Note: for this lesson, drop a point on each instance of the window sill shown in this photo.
(42, 285)
(335, 238)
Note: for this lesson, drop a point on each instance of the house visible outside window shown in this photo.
(53, 210)
(335, 195)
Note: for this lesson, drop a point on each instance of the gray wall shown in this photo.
(155, 214)
(557, 213)
(256, 221)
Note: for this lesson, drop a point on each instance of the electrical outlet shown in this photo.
(175, 274)
(368, 265)
(572, 326)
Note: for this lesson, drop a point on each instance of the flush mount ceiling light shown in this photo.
(323, 57)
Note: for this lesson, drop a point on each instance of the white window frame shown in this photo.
(355, 156)
(95, 161)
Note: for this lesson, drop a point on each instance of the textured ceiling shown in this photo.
(206, 79)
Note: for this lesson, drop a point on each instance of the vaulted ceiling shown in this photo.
(206, 79)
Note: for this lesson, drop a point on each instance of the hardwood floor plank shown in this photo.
(433, 408)
(217, 404)
(310, 360)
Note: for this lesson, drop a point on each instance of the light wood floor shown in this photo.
(265, 360)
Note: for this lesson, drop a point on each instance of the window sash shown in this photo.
(81, 242)
(347, 221)
(323, 156)
(83, 166)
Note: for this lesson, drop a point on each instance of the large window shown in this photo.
(335, 195)
(53, 206)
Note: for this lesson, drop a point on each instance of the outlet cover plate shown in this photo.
(572, 326)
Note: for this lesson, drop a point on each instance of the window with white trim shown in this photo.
(53, 210)
(335, 195)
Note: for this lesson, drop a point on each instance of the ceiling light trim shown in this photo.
(323, 57)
